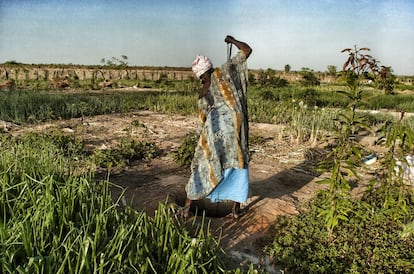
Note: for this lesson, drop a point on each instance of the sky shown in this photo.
(301, 33)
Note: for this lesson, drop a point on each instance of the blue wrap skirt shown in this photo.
(234, 186)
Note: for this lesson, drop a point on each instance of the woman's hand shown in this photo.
(240, 45)
(229, 39)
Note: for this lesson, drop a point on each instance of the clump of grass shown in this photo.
(400, 102)
(72, 226)
(52, 221)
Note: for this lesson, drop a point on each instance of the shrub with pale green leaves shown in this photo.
(370, 242)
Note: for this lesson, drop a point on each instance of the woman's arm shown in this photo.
(240, 45)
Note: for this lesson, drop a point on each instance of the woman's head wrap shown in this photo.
(200, 65)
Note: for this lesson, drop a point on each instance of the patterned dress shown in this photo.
(220, 163)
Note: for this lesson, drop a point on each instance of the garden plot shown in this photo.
(281, 173)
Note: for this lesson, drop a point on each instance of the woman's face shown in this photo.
(205, 77)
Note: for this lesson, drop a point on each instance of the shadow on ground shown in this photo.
(274, 190)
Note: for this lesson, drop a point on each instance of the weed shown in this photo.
(185, 152)
(127, 151)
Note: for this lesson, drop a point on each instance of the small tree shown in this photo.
(386, 80)
(123, 62)
(309, 78)
(344, 158)
(268, 78)
(332, 70)
(287, 68)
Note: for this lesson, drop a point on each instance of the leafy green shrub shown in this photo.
(269, 79)
(185, 152)
(309, 78)
(133, 150)
(128, 150)
(106, 158)
(369, 243)
(386, 80)
(267, 95)
(69, 144)
(275, 93)
(308, 95)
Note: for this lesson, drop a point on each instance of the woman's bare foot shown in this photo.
(236, 213)
(186, 210)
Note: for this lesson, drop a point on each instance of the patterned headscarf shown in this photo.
(200, 65)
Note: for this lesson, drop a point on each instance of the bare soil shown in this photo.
(282, 173)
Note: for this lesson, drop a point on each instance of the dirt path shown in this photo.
(280, 173)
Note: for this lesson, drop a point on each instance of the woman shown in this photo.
(220, 163)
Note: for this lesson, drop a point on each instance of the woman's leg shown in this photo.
(186, 211)
(236, 210)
